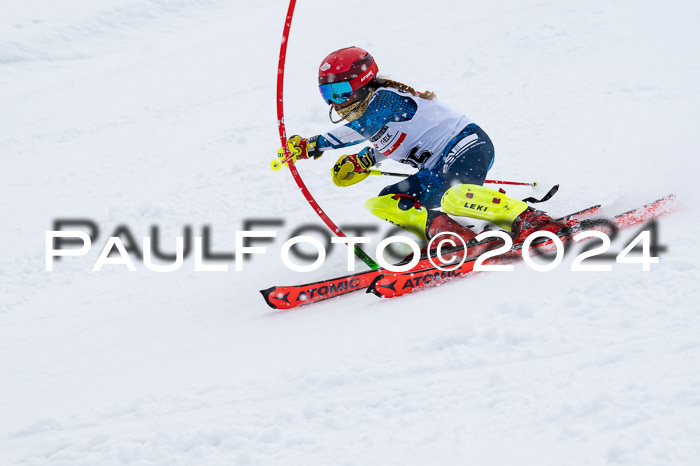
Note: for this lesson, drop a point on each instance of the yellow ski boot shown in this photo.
(408, 213)
(401, 210)
(469, 200)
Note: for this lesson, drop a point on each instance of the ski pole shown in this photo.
(279, 162)
(404, 175)
(514, 183)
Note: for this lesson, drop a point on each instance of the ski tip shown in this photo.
(655, 209)
(663, 201)
(373, 289)
(266, 294)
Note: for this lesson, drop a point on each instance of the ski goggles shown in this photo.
(336, 92)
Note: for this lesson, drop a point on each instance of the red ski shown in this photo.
(289, 297)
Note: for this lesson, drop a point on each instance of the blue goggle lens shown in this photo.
(336, 92)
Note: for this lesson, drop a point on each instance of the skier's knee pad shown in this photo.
(401, 210)
(470, 200)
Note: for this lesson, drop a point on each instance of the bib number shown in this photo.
(416, 159)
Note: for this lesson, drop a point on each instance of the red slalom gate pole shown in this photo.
(283, 139)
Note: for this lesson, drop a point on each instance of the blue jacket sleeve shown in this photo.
(384, 106)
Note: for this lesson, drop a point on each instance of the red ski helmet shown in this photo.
(345, 71)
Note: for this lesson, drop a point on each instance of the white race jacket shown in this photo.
(402, 127)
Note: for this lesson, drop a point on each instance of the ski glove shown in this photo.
(301, 148)
(351, 169)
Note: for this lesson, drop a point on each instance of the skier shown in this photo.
(451, 153)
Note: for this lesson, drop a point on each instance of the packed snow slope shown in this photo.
(161, 113)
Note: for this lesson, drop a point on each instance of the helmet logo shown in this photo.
(362, 79)
(325, 66)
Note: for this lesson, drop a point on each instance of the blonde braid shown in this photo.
(401, 87)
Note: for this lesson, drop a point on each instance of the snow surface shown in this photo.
(162, 112)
